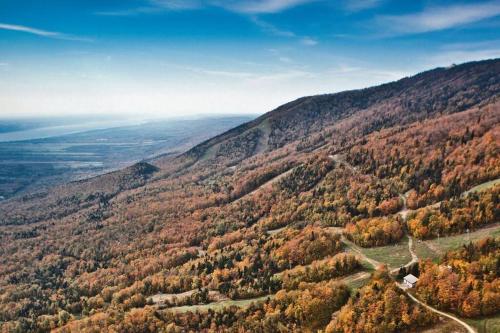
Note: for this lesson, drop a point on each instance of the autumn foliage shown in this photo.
(380, 307)
(375, 231)
(466, 281)
(457, 215)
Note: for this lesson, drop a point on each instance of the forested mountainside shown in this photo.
(287, 223)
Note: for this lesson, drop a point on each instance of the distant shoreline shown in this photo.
(54, 131)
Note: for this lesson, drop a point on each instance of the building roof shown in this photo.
(411, 278)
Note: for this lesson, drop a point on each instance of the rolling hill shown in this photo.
(263, 228)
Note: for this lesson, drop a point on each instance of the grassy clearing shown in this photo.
(356, 282)
(275, 231)
(485, 325)
(440, 246)
(483, 186)
(423, 251)
(394, 256)
(220, 305)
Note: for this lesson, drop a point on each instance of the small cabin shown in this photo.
(410, 280)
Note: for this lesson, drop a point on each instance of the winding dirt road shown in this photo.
(414, 258)
(444, 314)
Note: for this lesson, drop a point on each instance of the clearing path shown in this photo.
(476, 189)
(275, 231)
(355, 277)
(358, 251)
(414, 257)
(340, 159)
(482, 187)
(162, 299)
(404, 211)
(269, 183)
(221, 304)
(443, 244)
(444, 314)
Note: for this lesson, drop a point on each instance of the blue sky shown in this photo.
(155, 58)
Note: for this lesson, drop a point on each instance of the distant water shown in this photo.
(47, 132)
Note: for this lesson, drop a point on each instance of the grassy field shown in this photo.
(485, 325)
(393, 255)
(440, 246)
(356, 281)
(423, 251)
(483, 186)
(220, 305)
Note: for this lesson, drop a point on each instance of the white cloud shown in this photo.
(286, 60)
(43, 33)
(157, 6)
(354, 72)
(249, 76)
(238, 6)
(260, 6)
(438, 18)
(271, 29)
(476, 45)
(309, 41)
(449, 57)
(359, 5)
(178, 4)
(221, 73)
(132, 11)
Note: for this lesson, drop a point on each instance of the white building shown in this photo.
(410, 280)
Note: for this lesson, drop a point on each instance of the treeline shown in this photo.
(375, 231)
(466, 281)
(103, 246)
(340, 265)
(435, 159)
(457, 215)
(339, 198)
(311, 243)
(380, 307)
(308, 308)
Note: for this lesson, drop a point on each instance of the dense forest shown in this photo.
(466, 280)
(382, 307)
(263, 228)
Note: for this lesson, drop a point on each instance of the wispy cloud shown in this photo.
(157, 6)
(178, 4)
(470, 46)
(346, 70)
(131, 11)
(238, 6)
(220, 73)
(464, 52)
(271, 29)
(359, 5)
(438, 18)
(250, 76)
(309, 41)
(260, 6)
(43, 33)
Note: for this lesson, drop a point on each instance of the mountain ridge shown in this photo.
(396, 89)
(261, 213)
